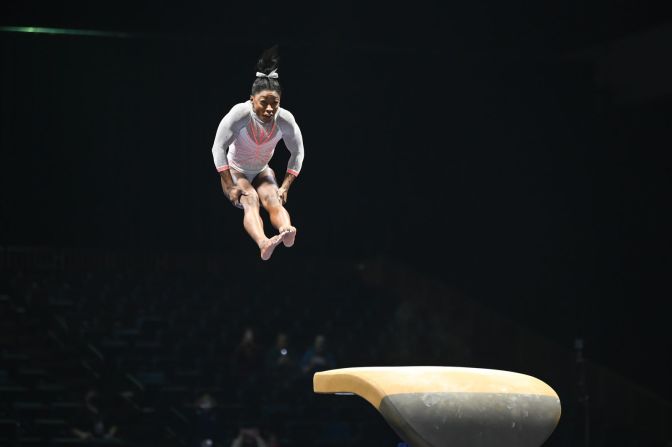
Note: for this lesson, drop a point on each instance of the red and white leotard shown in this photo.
(251, 142)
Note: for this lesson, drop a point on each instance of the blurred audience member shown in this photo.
(207, 431)
(247, 355)
(280, 358)
(249, 437)
(317, 358)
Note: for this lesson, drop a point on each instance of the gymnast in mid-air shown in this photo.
(244, 145)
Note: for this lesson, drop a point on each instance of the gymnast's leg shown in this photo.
(267, 189)
(252, 220)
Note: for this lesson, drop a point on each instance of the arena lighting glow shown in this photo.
(63, 31)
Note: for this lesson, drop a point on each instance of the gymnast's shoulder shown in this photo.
(285, 117)
(240, 110)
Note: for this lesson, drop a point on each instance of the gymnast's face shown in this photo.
(266, 104)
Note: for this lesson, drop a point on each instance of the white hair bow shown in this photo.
(272, 75)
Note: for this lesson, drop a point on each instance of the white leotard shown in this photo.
(251, 142)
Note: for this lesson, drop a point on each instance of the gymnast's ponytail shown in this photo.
(267, 75)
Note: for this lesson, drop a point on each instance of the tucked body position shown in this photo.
(244, 145)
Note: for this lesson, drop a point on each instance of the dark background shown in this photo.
(517, 151)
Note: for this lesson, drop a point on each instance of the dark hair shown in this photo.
(266, 64)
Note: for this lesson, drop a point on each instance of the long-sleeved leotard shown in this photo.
(251, 142)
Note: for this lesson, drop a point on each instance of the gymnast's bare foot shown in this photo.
(288, 234)
(269, 245)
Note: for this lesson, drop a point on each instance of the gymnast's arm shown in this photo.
(291, 134)
(227, 131)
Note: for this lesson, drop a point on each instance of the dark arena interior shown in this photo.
(486, 185)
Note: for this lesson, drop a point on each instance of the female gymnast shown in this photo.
(250, 131)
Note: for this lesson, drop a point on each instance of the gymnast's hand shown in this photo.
(235, 193)
(282, 195)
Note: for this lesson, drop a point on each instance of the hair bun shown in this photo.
(269, 60)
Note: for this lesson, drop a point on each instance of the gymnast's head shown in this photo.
(265, 95)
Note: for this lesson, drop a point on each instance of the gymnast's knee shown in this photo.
(250, 199)
(271, 201)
